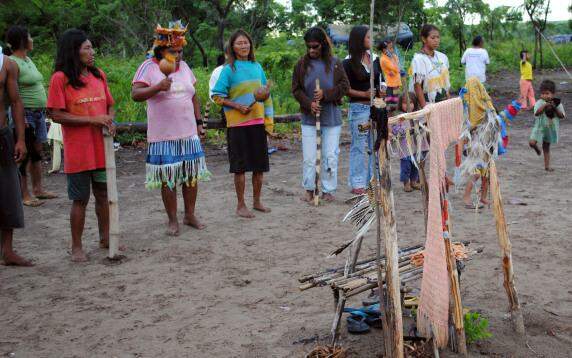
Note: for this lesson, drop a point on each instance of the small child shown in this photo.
(526, 90)
(548, 112)
(409, 174)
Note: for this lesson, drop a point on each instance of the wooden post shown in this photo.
(457, 305)
(112, 197)
(506, 251)
(392, 305)
(318, 153)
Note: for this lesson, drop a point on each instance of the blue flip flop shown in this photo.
(356, 324)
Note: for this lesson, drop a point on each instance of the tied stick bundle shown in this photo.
(318, 153)
(364, 276)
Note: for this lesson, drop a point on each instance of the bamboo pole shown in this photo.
(318, 153)
(112, 197)
(506, 251)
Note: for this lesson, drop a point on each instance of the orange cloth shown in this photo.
(390, 68)
(526, 93)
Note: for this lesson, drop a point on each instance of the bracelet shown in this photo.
(200, 122)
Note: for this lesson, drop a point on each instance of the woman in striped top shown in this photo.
(244, 93)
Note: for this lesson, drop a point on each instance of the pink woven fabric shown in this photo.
(444, 123)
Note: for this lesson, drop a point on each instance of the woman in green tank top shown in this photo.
(33, 94)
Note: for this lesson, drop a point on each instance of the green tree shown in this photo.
(537, 11)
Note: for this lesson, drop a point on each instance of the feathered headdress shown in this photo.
(172, 36)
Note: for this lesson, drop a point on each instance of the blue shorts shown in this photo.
(36, 119)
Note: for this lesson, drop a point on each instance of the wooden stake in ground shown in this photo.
(112, 197)
(318, 152)
(392, 305)
(506, 251)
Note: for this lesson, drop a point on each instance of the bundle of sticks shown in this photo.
(364, 277)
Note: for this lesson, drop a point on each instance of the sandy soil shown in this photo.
(231, 290)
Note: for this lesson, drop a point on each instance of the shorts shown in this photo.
(79, 184)
(11, 209)
(36, 119)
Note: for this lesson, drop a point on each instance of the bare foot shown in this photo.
(192, 221)
(46, 195)
(104, 244)
(416, 185)
(13, 259)
(243, 212)
(78, 255)
(261, 208)
(407, 187)
(534, 146)
(485, 201)
(308, 196)
(173, 229)
(327, 197)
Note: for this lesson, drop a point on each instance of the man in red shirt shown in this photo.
(11, 209)
(80, 101)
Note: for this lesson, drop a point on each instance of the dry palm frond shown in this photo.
(327, 352)
(362, 214)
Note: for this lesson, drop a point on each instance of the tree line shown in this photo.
(124, 27)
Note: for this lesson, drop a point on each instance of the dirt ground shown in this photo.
(232, 291)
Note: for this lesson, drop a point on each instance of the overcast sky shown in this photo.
(559, 8)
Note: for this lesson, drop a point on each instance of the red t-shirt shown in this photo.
(83, 145)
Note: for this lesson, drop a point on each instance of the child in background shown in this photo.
(548, 112)
(526, 91)
(409, 174)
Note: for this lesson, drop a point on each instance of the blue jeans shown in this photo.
(330, 154)
(408, 172)
(361, 163)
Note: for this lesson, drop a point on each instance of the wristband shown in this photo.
(199, 122)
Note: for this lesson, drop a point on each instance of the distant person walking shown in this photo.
(476, 60)
(526, 77)
(319, 64)
(33, 94)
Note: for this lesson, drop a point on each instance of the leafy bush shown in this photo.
(476, 327)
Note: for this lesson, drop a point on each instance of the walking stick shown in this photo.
(318, 153)
(112, 197)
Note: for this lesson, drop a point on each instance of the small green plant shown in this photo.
(476, 327)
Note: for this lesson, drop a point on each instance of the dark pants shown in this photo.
(409, 172)
(11, 209)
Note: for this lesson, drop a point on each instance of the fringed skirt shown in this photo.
(175, 162)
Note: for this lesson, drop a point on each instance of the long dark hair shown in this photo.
(317, 34)
(16, 39)
(356, 48)
(230, 50)
(522, 57)
(67, 59)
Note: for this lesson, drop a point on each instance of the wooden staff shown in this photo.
(318, 152)
(506, 251)
(112, 197)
